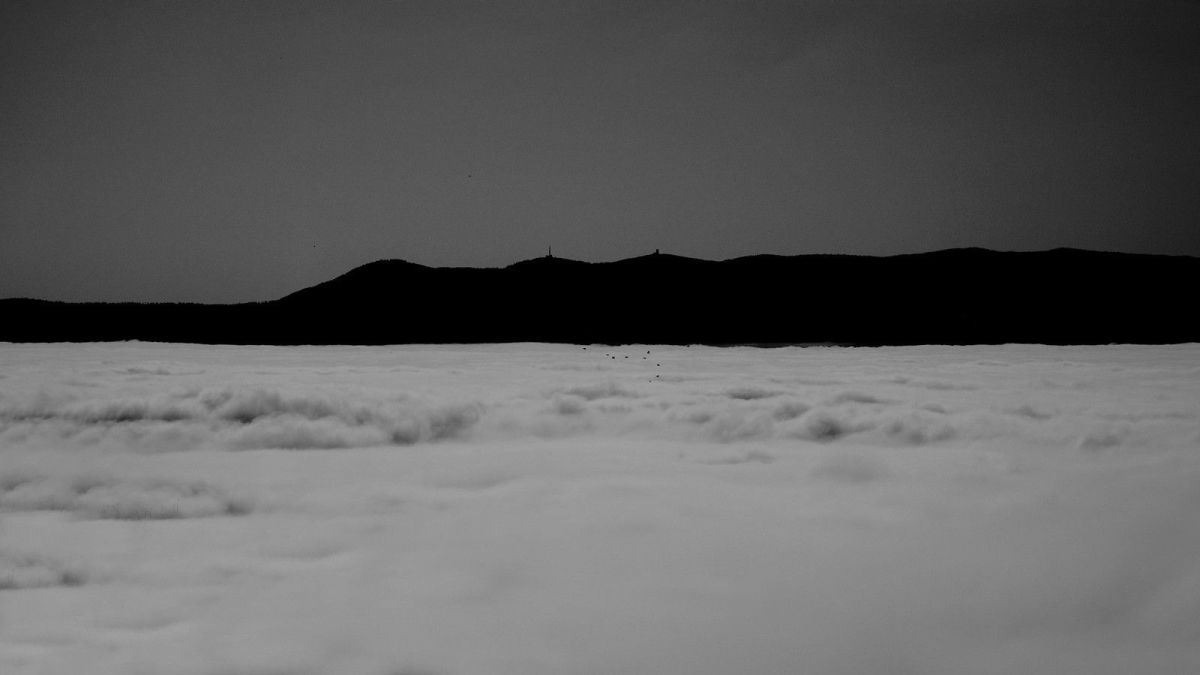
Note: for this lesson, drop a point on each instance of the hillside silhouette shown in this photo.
(956, 296)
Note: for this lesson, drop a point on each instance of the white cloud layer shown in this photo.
(533, 509)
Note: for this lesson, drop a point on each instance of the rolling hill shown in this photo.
(956, 296)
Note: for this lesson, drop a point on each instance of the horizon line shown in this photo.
(656, 253)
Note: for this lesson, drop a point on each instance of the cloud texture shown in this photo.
(552, 509)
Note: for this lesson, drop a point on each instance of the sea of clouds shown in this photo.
(528, 509)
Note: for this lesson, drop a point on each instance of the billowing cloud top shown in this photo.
(533, 509)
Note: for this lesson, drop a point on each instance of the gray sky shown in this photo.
(227, 151)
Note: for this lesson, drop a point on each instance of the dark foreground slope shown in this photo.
(957, 296)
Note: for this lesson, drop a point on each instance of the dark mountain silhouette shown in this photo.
(958, 296)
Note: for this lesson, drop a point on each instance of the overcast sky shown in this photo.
(228, 151)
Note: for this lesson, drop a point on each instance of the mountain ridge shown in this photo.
(951, 296)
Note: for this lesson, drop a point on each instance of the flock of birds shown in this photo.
(613, 357)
